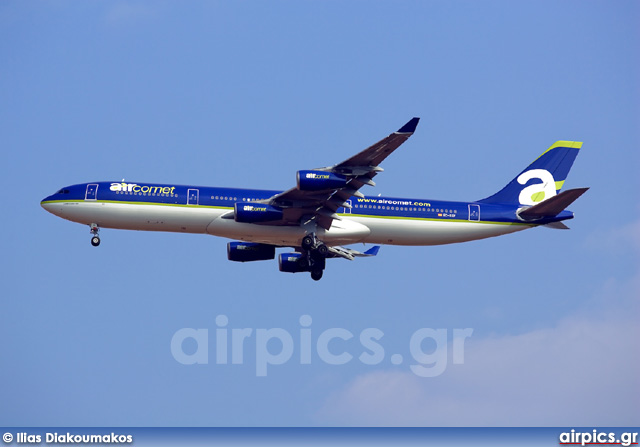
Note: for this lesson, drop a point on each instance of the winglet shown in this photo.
(372, 251)
(410, 127)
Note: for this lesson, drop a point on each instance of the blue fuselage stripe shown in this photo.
(382, 207)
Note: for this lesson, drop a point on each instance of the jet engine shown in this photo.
(297, 262)
(256, 212)
(319, 180)
(250, 251)
(292, 263)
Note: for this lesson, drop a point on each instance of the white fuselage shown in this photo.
(352, 228)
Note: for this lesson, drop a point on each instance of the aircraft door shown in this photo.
(192, 197)
(92, 191)
(348, 210)
(474, 212)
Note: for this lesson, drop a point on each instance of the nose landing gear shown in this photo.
(95, 239)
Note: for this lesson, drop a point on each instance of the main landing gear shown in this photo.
(316, 275)
(95, 239)
(315, 253)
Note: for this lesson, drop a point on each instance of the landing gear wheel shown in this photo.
(95, 240)
(323, 250)
(307, 242)
(316, 275)
(304, 263)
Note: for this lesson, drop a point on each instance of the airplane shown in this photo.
(325, 210)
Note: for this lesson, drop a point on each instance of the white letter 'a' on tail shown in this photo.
(540, 191)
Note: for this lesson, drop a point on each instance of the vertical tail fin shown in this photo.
(542, 179)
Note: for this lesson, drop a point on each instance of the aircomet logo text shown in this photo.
(134, 187)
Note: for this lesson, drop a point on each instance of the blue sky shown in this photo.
(244, 94)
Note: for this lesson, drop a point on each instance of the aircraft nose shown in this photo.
(44, 203)
(45, 200)
(48, 204)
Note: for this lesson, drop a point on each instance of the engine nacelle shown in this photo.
(250, 251)
(256, 212)
(319, 180)
(292, 263)
(296, 263)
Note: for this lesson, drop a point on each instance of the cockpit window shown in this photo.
(63, 191)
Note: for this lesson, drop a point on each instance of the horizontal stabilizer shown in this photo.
(553, 206)
(557, 226)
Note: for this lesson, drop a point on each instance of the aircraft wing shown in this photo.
(303, 205)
